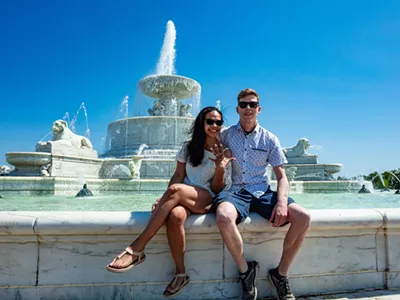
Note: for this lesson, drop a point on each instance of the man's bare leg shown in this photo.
(226, 219)
(299, 219)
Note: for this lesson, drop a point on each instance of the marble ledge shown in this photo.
(391, 217)
(108, 223)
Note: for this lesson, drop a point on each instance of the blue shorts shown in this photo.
(245, 203)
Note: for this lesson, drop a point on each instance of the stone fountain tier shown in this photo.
(27, 163)
(162, 134)
(169, 86)
(308, 172)
(168, 90)
(53, 165)
(315, 172)
(303, 166)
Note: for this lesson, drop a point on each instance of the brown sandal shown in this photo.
(139, 259)
(186, 280)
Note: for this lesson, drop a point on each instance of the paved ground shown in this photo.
(373, 295)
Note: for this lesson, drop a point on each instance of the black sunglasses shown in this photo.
(216, 122)
(243, 104)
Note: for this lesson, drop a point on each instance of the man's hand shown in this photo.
(153, 207)
(279, 215)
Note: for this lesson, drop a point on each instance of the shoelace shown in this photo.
(284, 286)
(246, 284)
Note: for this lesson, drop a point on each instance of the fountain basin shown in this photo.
(333, 168)
(169, 87)
(32, 164)
(121, 168)
(31, 159)
(28, 163)
(311, 172)
(125, 136)
(69, 186)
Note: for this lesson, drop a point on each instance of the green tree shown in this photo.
(388, 177)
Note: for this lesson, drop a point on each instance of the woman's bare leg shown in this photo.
(176, 236)
(177, 242)
(193, 198)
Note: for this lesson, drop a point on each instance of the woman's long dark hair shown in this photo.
(198, 140)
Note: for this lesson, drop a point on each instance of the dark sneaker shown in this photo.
(248, 280)
(281, 284)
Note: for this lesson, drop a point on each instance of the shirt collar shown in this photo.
(256, 130)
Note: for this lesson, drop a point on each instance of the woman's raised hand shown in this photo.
(222, 157)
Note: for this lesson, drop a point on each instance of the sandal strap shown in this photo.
(131, 252)
(175, 279)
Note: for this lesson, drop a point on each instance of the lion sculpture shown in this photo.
(61, 132)
(299, 149)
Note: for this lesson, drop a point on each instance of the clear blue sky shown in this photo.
(325, 70)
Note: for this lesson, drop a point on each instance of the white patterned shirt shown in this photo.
(253, 153)
(203, 174)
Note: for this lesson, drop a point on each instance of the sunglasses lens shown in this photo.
(212, 122)
(244, 104)
(253, 104)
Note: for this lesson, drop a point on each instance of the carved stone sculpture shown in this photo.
(134, 166)
(158, 109)
(5, 170)
(84, 192)
(44, 170)
(298, 153)
(61, 133)
(364, 190)
(291, 173)
(66, 143)
(184, 110)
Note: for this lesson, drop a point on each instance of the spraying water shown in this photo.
(394, 176)
(381, 178)
(383, 182)
(66, 118)
(73, 121)
(218, 104)
(141, 148)
(165, 65)
(45, 136)
(124, 108)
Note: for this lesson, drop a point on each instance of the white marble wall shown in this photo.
(70, 166)
(62, 255)
(13, 185)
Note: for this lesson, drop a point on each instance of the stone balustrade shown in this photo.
(62, 255)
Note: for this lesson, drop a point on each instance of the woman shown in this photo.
(202, 171)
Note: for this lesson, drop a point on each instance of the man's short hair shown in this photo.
(247, 92)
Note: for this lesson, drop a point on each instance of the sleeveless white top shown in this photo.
(203, 174)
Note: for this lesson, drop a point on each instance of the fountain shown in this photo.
(62, 254)
(143, 148)
(169, 119)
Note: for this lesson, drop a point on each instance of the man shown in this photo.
(254, 147)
